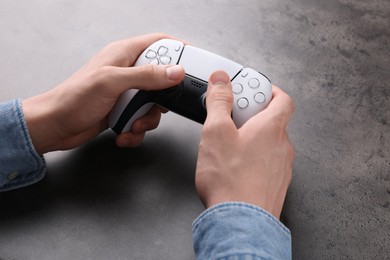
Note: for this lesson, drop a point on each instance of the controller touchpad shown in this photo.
(202, 63)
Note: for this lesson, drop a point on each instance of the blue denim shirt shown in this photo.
(236, 230)
(231, 230)
(20, 164)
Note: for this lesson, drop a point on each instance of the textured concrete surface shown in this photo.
(100, 202)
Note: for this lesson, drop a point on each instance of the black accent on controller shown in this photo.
(186, 99)
(265, 76)
(139, 100)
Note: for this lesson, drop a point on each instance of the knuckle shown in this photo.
(115, 44)
(159, 35)
(220, 95)
(289, 176)
(291, 151)
(277, 124)
(290, 103)
(114, 53)
(110, 47)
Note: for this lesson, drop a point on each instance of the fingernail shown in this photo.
(174, 72)
(219, 78)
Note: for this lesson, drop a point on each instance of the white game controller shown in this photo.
(252, 90)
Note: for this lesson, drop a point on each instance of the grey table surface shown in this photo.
(101, 202)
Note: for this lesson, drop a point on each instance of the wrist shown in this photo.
(40, 119)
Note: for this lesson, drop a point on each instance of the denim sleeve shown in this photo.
(236, 230)
(20, 164)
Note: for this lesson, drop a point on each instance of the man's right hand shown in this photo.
(252, 164)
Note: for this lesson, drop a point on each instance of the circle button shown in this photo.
(237, 88)
(259, 97)
(254, 83)
(242, 103)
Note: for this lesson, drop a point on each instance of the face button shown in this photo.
(162, 50)
(150, 54)
(254, 83)
(165, 60)
(242, 103)
(237, 88)
(259, 97)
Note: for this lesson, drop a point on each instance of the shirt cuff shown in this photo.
(236, 230)
(20, 164)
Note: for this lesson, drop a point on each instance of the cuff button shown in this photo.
(13, 175)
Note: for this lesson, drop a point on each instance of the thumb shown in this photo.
(219, 101)
(146, 77)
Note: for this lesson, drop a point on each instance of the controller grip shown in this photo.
(139, 106)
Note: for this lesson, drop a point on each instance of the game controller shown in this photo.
(252, 90)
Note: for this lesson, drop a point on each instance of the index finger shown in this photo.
(124, 53)
(281, 105)
(280, 110)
